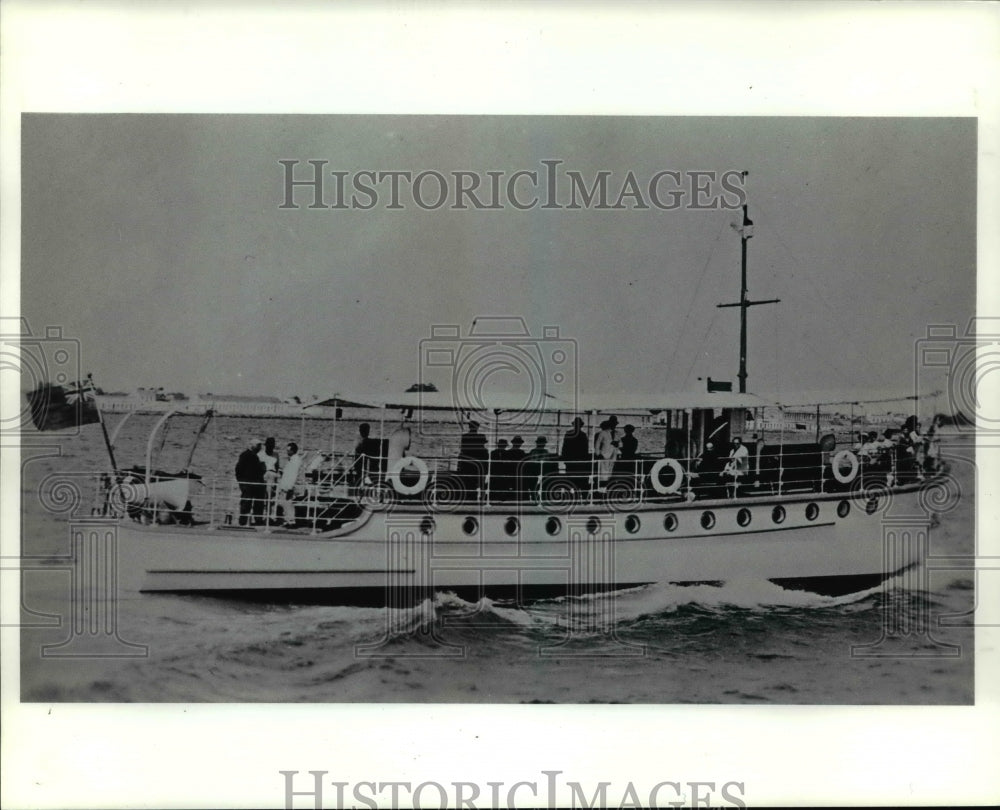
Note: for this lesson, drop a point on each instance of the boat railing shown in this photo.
(339, 488)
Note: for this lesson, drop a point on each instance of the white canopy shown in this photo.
(592, 403)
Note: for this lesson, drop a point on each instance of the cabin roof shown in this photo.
(596, 403)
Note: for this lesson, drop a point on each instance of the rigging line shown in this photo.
(796, 261)
(804, 300)
(695, 354)
(694, 296)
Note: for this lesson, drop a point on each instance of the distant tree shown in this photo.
(421, 388)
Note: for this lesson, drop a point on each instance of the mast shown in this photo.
(104, 428)
(746, 233)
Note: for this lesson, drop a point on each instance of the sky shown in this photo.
(159, 242)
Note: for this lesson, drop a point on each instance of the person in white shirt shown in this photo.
(606, 450)
(269, 457)
(287, 482)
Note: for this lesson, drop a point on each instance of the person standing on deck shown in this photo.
(739, 463)
(501, 481)
(576, 455)
(606, 450)
(515, 461)
(472, 458)
(537, 465)
(287, 483)
(628, 453)
(269, 458)
(398, 444)
(250, 477)
(366, 456)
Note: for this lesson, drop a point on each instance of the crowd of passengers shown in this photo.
(509, 472)
(269, 486)
(900, 451)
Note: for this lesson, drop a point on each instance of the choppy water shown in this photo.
(747, 642)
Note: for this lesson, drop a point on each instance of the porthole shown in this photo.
(670, 522)
(778, 514)
(470, 525)
(743, 517)
(427, 525)
(707, 520)
(553, 525)
(812, 511)
(843, 509)
(632, 524)
(511, 526)
(593, 525)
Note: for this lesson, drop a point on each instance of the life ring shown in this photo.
(402, 463)
(654, 476)
(850, 458)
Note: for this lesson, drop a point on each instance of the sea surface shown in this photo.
(745, 642)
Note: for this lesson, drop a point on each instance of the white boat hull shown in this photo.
(826, 543)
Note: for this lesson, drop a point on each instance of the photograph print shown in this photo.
(497, 409)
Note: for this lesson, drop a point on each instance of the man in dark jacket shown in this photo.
(472, 458)
(250, 476)
(576, 455)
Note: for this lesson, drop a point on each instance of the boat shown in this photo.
(805, 516)
(416, 507)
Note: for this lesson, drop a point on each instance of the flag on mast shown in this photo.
(56, 407)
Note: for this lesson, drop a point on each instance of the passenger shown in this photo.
(537, 465)
(629, 444)
(472, 457)
(314, 470)
(708, 469)
(269, 458)
(932, 453)
(515, 458)
(287, 483)
(738, 465)
(756, 446)
(398, 444)
(366, 456)
(901, 458)
(250, 477)
(916, 441)
(606, 450)
(501, 481)
(576, 455)
(869, 452)
(628, 453)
